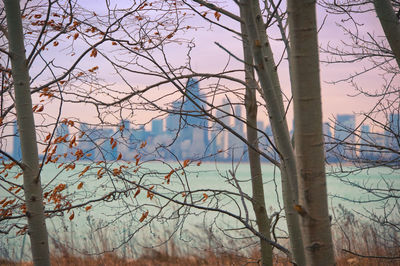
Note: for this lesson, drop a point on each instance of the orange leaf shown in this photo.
(76, 35)
(199, 163)
(119, 157)
(144, 143)
(114, 43)
(144, 215)
(71, 217)
(18, 175)
(88, 208)
(217, 15)
(72, 142)
(186, 162)
(39, 109)
(80, 185)
(168, 176)
(93, 53)
(114, 145)
(205, 197)
(55, 43)
(137, 192)
(47, 137)
(84, 171)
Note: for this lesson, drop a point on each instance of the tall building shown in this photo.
(222, 134)
(127, 145)
(157, 127)
(344, 127)
(61, 131)
(327, 132)
(393, 132)
(103, 140)
(16, 153)
(234, 142)
(172, 120)
(366, 138)
(194, 132)
(87, 142)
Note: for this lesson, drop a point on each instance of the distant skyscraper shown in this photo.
(107, 152)
(172, 121)
(234, 142)
(16, 154)
(61, 131)
(222, 134)
(344, 127)
(156, 127)
(191, 114)
(326, 129)
(86, 143)
(393, 133)
(345, 124)
(195, 125)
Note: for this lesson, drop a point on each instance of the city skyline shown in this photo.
(196, 137)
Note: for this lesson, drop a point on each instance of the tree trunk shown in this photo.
(309, 142)
(267, 74)
(262, 220)
(390, 24)
(27, 133)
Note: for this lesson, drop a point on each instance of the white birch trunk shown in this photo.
(309, 142)
(26, 127)
(267, 74)
(390, 24)
(262, 220)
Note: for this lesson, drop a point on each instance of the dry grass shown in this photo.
(349, 234)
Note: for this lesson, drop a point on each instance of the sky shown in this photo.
(208, 57)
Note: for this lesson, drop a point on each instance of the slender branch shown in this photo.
(21, 165)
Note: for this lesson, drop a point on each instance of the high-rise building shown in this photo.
(156, 127)
(16, 154)
(87, 142)
(172, 121)
(61, 131)
(194, 127)
(326, 130)
(222, 134)
(105, 149)
(344, 128)
(234, 142)
(345, 125)
(393, 132)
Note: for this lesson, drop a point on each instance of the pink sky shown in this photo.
(207, 57)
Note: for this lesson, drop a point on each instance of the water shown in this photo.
(209, 186)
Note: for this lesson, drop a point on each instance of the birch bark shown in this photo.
(309, 142)
(262, 220)
(26, 126)
(267, 74)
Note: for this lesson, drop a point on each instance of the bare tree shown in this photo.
(371, 144)
(26, 125)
